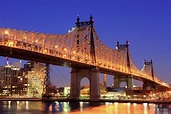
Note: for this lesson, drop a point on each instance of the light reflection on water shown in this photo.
(38, 107)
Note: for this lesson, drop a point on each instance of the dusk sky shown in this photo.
(146, 24)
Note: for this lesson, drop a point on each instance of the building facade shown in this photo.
(35, 73)
(22, 82)
(11, 79)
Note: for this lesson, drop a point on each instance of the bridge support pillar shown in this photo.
(127, 79)
(149, 86)
(93, 75)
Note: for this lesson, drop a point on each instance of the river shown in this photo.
(38, 107)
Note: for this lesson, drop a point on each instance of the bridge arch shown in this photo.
(92, 74)
(85, 88)
(128, 79)
(123, 84)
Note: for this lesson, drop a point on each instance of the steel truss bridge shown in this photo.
(79, 48)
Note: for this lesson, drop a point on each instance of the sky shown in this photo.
(146, 24)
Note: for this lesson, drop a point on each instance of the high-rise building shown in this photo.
(11, 79)
(1, 80)
(35, 73)
(27, 82)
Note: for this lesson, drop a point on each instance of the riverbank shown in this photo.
(87, 100)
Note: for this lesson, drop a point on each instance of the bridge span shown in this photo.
(82, 50)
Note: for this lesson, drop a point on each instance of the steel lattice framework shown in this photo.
(80, 45)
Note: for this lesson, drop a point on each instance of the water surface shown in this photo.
(38, 107)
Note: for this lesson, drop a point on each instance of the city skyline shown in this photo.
(145, 25)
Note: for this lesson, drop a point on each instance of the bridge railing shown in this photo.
(55, 45)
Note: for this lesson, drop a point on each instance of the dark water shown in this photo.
(38, 107)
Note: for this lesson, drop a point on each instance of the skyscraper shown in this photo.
(35, 73)
(10, 78)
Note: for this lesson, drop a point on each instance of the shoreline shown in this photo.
(79, 100)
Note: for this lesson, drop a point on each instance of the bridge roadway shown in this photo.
(40, 57)
(16, 44)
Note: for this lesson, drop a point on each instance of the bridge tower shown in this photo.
(148, 68)
(128, 79)
(92, 73)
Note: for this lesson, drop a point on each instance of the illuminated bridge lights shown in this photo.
(76, 47)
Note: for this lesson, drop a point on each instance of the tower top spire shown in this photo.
(91, 20)
(78, 21)
(127, 43)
